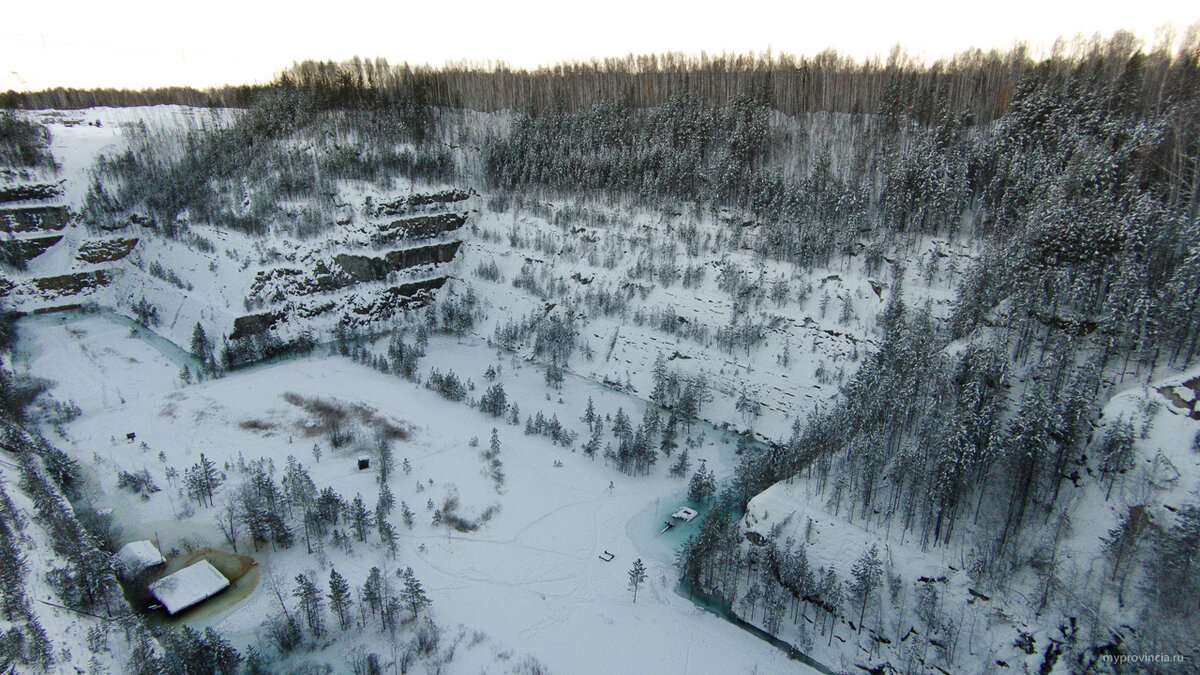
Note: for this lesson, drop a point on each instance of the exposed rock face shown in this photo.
(71, 284)
(418, 227)
(347, 269)
(355, 310)
(105, 250)
(413, 202)
(33, 218)
(24, 250)
(360, 268)
(388, 303)
(244, 326)
(19, 193)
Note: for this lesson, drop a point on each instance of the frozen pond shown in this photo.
(29, 324)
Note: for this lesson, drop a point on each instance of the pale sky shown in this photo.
(72, 43)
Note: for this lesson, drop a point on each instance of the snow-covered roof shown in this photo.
(137, 556)
(188, 586)
(685, 514)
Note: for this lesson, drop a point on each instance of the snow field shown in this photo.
(529, 578)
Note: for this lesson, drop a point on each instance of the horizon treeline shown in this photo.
(974, 82)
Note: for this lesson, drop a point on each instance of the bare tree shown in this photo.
(229, 520)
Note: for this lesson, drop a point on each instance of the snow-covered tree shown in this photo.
(637, 577)
(360, 518)
(339, 596)
(867, 575)
(311, 601)
(413, 594)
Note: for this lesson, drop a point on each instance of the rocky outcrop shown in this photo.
(24, 250)
(361, 268)
(20, 193)
(33, 218)
(391, 301)
(411, 203)
(251, 324)
(72, 284)
(418, 227)
(346, 269)
(105, 250)
(357, 310)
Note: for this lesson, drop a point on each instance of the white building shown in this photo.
(188, 586)
(136, 557)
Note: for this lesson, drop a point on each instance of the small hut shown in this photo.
(137, 557)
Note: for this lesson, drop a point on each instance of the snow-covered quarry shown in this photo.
(361, 379)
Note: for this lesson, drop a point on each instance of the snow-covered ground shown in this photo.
(989, 622)
(530, 578)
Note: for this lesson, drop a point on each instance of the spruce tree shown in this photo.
(202, 347)
(659, 381)
(360, 518)
(589, 414)
(868, 574)
(413, 595)
(637, 576)
(310, 603)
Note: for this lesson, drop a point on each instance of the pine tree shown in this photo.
(668, 444)
(554, 375)
(589, 414)
(221, 654)
(383, 447)
(310, 603)
(202, 347)
(372, 590)
(1116, 452)
(202, 480)
(387, 535)
(831, 596)
(681, 466)
(868, 575)
(494, 402)
(703, 484)
(637, 576)
(413, 594)
(689, 403)
(621, 428)
(1172, 571)
(494, 445)
(360, 518)
(298, 485)
(659, 383)
(593, 444)
(384, 503)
